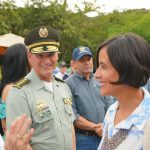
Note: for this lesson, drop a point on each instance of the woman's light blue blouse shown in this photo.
(128, 134)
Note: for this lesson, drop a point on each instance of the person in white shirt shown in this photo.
(62, 71)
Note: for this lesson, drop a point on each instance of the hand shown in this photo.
(99, 129)
(18, 137)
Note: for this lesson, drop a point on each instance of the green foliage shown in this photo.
(10, 19)
(75, 28)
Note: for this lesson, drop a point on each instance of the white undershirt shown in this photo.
(49, 85)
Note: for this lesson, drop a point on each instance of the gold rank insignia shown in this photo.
(67, 101)
(43, 32)
(21, 83)
(43, 109)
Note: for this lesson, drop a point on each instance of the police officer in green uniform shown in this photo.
(44, 98)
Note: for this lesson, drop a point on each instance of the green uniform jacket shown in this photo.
(51, 112)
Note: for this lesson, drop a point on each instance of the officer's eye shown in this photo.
(40, 55)
(45, 55)
(51, 53)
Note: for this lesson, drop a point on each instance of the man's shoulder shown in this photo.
(21, 83)
(62, 84)
(70, 79)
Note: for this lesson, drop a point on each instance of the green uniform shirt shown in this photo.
(51, 112)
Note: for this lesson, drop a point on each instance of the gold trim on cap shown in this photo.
(37, 49)
(52, 48)
(48, 49)
(43, 43)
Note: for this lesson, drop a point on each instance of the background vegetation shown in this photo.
(75, 28)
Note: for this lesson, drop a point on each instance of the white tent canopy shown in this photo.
(9, 39)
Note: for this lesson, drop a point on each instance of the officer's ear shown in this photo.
(29, 54)
(29, 59)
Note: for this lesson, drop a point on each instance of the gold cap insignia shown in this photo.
(43, 32)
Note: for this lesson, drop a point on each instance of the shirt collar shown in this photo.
(138, 118)
(82, 77)
(37, 83)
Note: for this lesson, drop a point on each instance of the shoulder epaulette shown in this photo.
(21, 83)
(58, 79)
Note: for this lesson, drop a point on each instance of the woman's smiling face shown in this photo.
(106, 74)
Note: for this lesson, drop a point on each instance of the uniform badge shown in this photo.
(43, 109)
(67, 101)
(43, 33)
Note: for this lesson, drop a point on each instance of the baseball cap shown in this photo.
(63, 64)
(80, 52)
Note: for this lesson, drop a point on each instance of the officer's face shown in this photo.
(84, 65)
(43, 64)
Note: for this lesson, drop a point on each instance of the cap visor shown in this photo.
(81, 55)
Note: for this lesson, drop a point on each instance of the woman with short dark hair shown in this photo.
(123, 68)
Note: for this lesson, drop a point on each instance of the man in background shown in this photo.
(62, 74)
(88, 105)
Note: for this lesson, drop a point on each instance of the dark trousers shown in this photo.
(86, 142)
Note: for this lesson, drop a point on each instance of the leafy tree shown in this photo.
(12, 20)
(75, 28)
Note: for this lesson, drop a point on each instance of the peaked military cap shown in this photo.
(42, 39)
